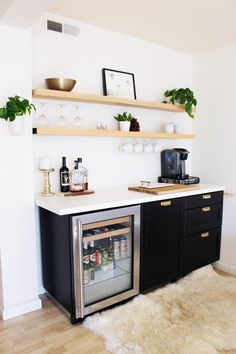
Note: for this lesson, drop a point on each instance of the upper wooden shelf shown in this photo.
(84, 97)
(112, 133)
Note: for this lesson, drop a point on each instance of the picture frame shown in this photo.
(118, 83)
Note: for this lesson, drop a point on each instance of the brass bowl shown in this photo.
(60, 84)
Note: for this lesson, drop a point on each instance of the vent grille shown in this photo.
(62, 28)
(54, 26)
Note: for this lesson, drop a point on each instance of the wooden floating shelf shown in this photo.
(84, 97)
(109, 133)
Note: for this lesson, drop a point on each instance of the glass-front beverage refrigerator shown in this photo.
(105, 255)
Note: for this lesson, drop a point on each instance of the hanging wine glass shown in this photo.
(61, 121)
(42, 121)
(77, 122)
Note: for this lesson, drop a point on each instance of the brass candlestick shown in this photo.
(46, 186)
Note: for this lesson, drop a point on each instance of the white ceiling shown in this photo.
(191, 26)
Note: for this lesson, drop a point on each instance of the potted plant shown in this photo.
(124, 120)
(14, 107)
(184, 97)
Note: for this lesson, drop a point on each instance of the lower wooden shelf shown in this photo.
(111, 133)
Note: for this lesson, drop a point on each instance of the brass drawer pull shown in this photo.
(206, 196)
(205, 234)
(206, 209)
(166, 203)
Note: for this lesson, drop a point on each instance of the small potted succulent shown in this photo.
(124, 120)
(16, 106)
(184, 97)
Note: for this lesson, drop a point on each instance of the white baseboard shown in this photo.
(22, 309)
(225, 267)
(41, 290)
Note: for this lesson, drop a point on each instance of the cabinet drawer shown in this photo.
(201, 248)
(203, 218)
(204, 199)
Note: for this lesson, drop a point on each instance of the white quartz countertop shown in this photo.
(112, 197)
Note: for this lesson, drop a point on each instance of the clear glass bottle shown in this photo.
(110, 250)
(86, 257)
(92, 260)
(76, 180)
(83, 172)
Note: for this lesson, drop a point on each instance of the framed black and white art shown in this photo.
(118, 83)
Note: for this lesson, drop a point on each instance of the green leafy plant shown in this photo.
(124, 117)
(16, 106)
(184, 97)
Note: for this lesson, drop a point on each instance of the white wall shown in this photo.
(155, 68)
(18, 286)
(215, 126)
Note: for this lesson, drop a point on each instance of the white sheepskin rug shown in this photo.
(196, 315)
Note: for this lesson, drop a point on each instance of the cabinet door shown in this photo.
(201, 248)
(162, 225)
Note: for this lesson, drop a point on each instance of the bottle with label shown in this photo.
(110, 250)
(76, 183)
(104, 266)
(98, 257)
(83, 172)
(86, 265)
(64, 177)
(92, 260)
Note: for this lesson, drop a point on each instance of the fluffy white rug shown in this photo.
(196, 315)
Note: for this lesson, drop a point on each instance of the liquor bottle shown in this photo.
(98, 257)
(86, 257)
(92, 260)
(110, 260)
(83, 173)
(64, 177)
(76, 184)
(104, 266)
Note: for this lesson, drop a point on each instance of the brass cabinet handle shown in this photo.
(166, 203)
(206, 196)
(206, 209)
(205, 234)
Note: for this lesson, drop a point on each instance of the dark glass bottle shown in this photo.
(64, 177)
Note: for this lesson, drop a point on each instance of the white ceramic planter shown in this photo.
(16, 126)
(124, 126)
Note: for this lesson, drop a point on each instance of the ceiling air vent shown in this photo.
(62, 28)
(54, 26)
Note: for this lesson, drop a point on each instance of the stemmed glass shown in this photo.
(77, 120)
(42, 121)
(61, 121)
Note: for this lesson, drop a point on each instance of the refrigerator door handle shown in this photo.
(78, 268)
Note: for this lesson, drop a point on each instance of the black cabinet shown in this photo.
(162, 227)
(201, 248)
(178, 236)
(202, 234)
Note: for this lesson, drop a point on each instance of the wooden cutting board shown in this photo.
(165, 190)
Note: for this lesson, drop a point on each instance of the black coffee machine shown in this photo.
(173, 167)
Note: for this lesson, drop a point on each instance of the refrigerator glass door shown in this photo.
(107, 255)
(106, 258)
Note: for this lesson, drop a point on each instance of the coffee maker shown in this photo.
(173, 168)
